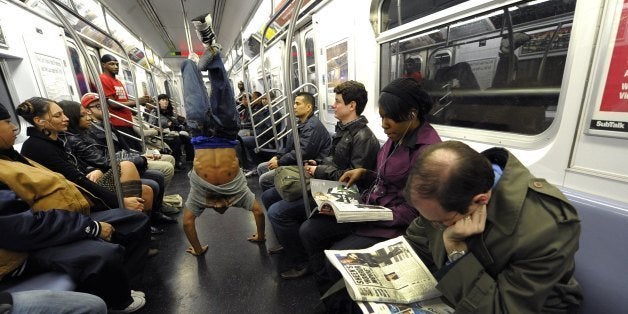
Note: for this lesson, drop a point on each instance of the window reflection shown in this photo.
(499, 70)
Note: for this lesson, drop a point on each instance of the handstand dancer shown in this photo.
(216, 180)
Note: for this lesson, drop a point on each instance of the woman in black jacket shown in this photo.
(45, 147)
(175, 138)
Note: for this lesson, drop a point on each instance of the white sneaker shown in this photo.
(204, 29)
(138, 303)
(138, 293)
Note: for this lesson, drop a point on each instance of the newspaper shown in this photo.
(431, 306)
(344, 202)
(389, 272)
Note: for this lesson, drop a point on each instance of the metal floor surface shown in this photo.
(234, 276)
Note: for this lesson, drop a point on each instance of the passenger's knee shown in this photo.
(274, 214)
(304, 232)
(128, 171)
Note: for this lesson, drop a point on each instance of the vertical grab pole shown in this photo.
(101, 95)
(288, 87)
(186, 24)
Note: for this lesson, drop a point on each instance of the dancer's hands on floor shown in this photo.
(193, 252)
(256, 238)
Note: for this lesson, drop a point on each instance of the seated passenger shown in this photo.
(498, 239)
(153, 142)
(64, 241)
(41, 190)
(184, 136)
(250, 159)
(313, 137)
(354, 146)
(403, 106)
(171, 128)
(243, 111)
(155, 170)
(216, 181)
(47, 120)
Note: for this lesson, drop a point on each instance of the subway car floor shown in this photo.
(234, 276)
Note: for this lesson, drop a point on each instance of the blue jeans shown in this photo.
(202, 113)
(249, 158)
(43, 301)
(286, 218)
(266, 176)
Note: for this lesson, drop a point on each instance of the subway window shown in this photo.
(310, 61)
(79, 74)
(294, 57)
(5, 97)
(393, 11)
(499, 70)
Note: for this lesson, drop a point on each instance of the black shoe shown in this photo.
(160, 217)
(294, 273)
(155, 230)
(152, 252)
(275, 250)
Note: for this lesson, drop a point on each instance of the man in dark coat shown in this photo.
(498, 239)
(314, 139)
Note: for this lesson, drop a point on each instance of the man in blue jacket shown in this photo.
(69, 242)
(314, 139)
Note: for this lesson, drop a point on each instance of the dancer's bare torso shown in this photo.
(217, 165)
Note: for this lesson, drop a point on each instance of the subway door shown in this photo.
(338, 36)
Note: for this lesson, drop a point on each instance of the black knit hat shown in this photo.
(4, 113)
(107, 58)
(407, 89)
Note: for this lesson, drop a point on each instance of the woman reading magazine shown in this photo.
(403, 106)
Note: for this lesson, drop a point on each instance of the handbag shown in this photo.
(288, 183)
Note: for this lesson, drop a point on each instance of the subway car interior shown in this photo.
(543, 79)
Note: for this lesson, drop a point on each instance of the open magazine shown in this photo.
(389, 272)
(333, 195)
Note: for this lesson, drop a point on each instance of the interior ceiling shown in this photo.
(161, 25)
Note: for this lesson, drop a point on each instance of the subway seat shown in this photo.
(603, 254)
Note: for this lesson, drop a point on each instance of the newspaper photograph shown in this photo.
(431, 306)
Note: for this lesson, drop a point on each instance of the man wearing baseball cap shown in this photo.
(114, 89)
(157, 170)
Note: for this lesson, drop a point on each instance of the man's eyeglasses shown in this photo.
(98, 106)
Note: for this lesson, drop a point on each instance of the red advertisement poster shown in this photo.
(615, 97)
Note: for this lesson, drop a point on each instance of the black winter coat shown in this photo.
(314, 139)
(353, 146)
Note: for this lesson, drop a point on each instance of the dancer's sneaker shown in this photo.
(204, 29)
